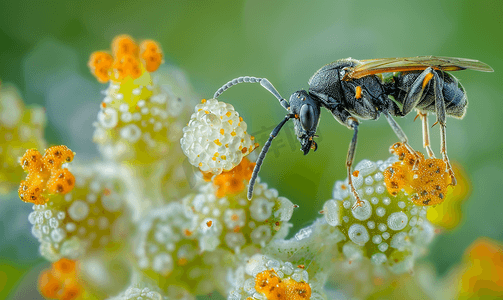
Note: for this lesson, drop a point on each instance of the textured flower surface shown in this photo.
(384, 235)
(233, 221)
(216, 139)
(140, 117)
(89, 217)
(263, 277)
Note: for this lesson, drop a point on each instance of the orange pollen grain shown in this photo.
(356, 173)
(126, 66)
(233, 181)
(124, 45)
(187, 232)
(234, 217)
(100, 64)
(209, 223)
(151, 55)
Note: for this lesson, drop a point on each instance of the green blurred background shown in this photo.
(45, 45)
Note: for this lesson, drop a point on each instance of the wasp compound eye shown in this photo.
(307, 117)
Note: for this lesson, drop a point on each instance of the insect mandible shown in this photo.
(364, 89)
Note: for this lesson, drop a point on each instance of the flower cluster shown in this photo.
(139, 230)
(20, 129)
(480, 275)
(263, 277)
(45, 175)
(426, 179)
(61, 281)
(387, 229)
(127, 61)
(139, 118)
(215, 139)
(87, 218)
(230, 219)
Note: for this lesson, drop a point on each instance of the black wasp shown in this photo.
(365, 89)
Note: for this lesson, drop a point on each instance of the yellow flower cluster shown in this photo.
(45, 175)
(61, 281)
(21, 128)
(425, 179)
(128, 59)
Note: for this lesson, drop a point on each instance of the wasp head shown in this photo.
(307, 116)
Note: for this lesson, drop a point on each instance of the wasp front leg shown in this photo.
(345, 118)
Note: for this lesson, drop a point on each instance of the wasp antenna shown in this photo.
(268, 86)
(235, 81)
(263, 82)
(262, 154)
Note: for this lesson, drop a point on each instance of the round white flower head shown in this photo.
(215, 138)
(264, 277)
(385, 228)
(146, 289)
(383, 236)
(231, 221)
(84, 220)
(167, 250)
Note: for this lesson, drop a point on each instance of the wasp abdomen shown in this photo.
(453, 93)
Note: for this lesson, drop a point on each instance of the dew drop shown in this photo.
(358, 234)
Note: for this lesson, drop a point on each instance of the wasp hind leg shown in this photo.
(426, 132)
(400, 134)
(440, 111)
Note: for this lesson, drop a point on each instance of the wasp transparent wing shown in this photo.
(403, 64)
